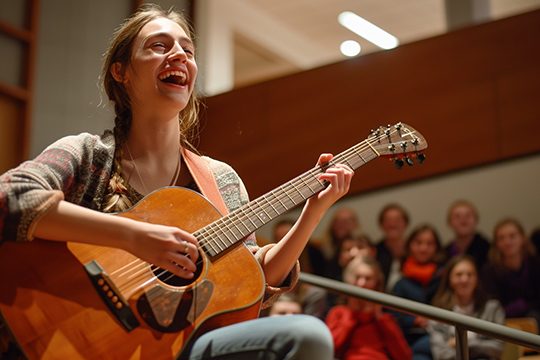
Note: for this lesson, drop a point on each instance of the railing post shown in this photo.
(462, 346)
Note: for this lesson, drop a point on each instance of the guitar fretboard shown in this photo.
(227, 231)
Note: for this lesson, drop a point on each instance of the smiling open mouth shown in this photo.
(173, 77)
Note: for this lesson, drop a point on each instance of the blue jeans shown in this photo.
(295, 337)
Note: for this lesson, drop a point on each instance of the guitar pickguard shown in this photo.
(171, 311)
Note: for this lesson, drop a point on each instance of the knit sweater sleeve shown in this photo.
(74, 168)
(235, 195)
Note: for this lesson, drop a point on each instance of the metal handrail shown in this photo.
(463, 323)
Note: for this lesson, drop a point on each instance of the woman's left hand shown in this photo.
(339, 177)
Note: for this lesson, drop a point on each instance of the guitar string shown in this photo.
(356, 151)
(159, 295)
(302, 183)
(291, 185)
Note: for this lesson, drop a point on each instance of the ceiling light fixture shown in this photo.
(350, 48)
(367, 30)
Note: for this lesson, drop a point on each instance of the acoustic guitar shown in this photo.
(77, 301)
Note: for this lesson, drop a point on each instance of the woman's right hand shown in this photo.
(162, 246)
(167, 247)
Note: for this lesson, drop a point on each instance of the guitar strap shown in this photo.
(205, 180)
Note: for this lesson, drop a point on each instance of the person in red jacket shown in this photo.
(360, 329)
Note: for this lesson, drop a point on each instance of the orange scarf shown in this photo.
(423, 273)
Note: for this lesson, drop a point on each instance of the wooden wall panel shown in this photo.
(11, 119)
(465, 91)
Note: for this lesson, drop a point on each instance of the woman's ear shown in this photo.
(117, 73)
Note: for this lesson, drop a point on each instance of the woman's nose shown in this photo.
(177, 53)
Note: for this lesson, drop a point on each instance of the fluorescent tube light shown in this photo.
(367, 30)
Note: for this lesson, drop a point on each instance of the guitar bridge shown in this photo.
(111, 295)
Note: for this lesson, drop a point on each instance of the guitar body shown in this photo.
(55, 310)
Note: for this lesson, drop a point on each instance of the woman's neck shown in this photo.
(396, 245)
(154, 137)
(463, 301)
(513, 262)
(463, 242)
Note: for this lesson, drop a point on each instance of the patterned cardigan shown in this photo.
(77, 169)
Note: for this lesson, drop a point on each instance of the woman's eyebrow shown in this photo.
(166, 34)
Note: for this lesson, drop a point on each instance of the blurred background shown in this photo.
(279, 90)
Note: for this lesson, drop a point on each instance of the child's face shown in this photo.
(364, 276)
(351, 248)
(423, 247)
(464, 279)
(509, 240)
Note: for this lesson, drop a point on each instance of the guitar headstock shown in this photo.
(401, 143)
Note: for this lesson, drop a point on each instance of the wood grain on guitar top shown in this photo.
(55, 312)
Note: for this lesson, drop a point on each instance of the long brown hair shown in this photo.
(120, 51)
(444, 297)
(495, 256)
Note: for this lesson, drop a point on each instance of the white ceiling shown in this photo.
(278, 37)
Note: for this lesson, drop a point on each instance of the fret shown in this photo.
(249, 218)
(298, 191)
(360, 155)
(272, 206)
(307, 185)
(278, 199)
(290, 198)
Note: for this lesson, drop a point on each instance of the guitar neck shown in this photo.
(230, 229)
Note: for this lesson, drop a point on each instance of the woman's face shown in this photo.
(364, 276)
(393, 223)
(423, 246)
(351, 248)
(463, 220)
(162, 70)
(509, 240)
(464, 279)
(344, 222)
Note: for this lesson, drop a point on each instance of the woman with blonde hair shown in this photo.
(63, 194)
(361, 330)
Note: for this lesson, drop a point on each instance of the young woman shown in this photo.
(460, 291)
(361, 330)
(62, 195)
(512, 274)
(421, 278)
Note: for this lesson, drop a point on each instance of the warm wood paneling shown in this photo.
(10, 136)
(472, 93)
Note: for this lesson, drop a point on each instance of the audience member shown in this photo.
(421, 278)
(344, 222)
(361, 330)
(353, 246)
(535, 238)
(393, 220)
(285, 305)
(463, 219)
(512, 274)
(460, 291)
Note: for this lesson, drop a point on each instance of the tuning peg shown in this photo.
(420, 158)
(409, 161)
(398, 163)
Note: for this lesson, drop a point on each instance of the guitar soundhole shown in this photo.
(173, 280)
